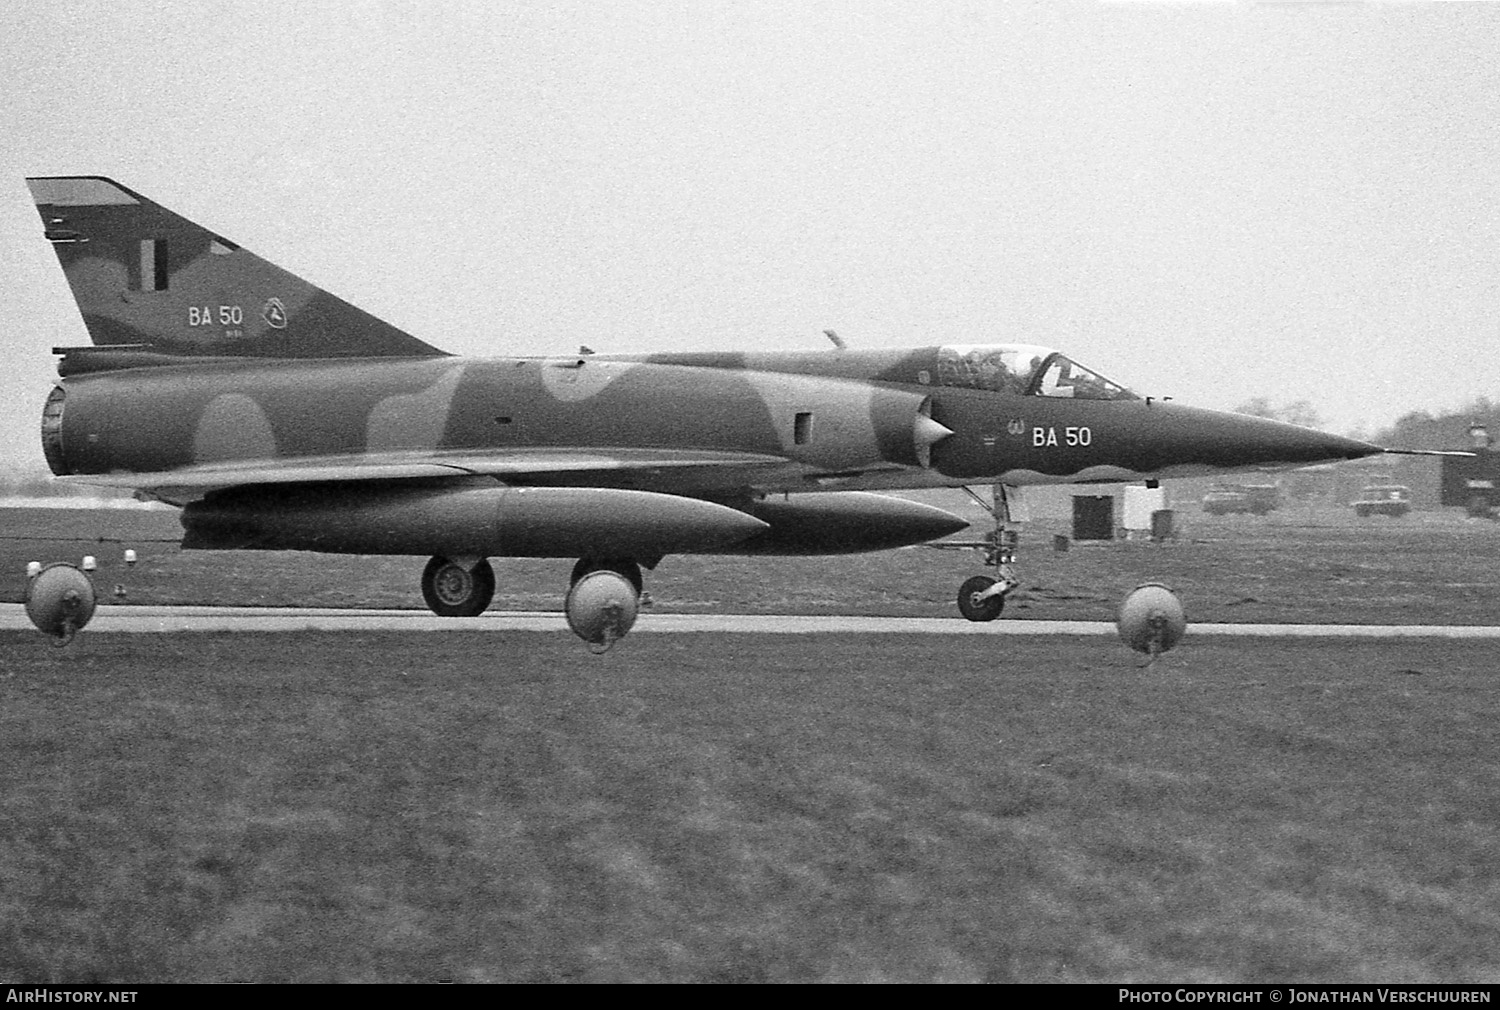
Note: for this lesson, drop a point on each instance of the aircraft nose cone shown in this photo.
(1233, 440)
(1290, 443)
(1348, 448)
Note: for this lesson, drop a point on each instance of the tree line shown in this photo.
(1419, 429)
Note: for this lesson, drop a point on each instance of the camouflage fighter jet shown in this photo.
(280, 417)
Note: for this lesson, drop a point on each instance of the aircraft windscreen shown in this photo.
(1064, 377)
(1023, 369)
(1002, 368)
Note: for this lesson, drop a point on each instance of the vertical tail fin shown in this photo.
(145, 277)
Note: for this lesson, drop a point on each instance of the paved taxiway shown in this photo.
(173, 619)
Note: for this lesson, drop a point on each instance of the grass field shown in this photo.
(746, 808)
(1297, 565)
(508, 807)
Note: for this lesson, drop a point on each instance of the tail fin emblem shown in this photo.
(274, 313)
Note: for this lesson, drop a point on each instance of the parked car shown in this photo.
(1383, 499)
(1223, 499)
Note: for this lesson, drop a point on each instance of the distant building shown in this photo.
(1473, 482)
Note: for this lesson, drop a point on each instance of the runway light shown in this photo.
(60, 601)
(130, 556)
(33, 569)
(1151, 619)
(89, 564)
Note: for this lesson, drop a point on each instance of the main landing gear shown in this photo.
(982, 597)
(623, 567)
(458, 587)
(604, 595)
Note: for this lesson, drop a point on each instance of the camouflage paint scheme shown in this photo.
(272, 408)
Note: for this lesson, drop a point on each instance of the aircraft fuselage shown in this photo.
(816, 424)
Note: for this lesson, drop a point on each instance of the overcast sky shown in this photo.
(1206, 201)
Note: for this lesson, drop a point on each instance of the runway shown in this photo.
(138, 619)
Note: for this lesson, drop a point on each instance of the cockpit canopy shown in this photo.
(1023, 369)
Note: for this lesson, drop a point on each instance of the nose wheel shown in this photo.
(979, 600)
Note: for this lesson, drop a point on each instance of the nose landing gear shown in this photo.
(982, 598)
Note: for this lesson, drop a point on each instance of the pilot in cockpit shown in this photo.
(990, 371)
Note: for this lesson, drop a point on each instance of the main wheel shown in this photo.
(451, 590)
(620, 566)
(972, 607)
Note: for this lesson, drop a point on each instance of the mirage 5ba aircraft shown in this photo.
(280, 417)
